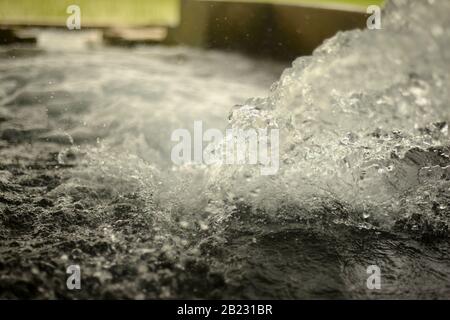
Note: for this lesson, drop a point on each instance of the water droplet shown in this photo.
(184, 224)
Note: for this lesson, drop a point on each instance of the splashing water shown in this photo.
(364, 175)
(365, 126)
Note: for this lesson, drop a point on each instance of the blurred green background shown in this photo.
(122, 12)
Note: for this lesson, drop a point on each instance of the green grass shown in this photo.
(117, 12)
(93, 12)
